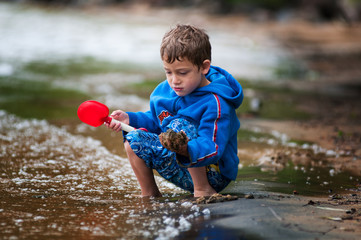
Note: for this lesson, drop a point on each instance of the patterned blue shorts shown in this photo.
(148, 147)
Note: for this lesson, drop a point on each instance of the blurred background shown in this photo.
(301, 43)
(299, 63)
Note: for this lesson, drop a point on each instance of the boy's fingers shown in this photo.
(113, 114)
(161, 140)
(114, 126)
(119, 127)
(164, 141)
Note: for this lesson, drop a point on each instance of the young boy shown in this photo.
(192, 124)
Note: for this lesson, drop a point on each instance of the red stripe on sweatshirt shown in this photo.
(215, 129)
(218, 117)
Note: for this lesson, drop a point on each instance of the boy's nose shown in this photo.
(175, 80)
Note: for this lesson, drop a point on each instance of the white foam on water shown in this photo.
(42, 159)
(37, 144)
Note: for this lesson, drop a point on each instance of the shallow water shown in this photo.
(275, 163)
(58, 185)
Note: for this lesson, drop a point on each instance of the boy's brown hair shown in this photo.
(186, 41)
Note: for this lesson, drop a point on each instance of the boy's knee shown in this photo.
(135, 136)
(127, 147)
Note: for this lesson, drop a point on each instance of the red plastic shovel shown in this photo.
(95, 114)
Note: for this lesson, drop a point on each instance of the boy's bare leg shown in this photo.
(200, 182)
(143, 173)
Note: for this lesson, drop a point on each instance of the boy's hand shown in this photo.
(120, 116)
(175, 142)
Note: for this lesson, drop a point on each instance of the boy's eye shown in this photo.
(183, 73)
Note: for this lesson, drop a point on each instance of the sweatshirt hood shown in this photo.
(224, 85)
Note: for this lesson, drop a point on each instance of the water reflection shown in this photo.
(286, 167)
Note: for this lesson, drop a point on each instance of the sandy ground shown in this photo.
(277, 216)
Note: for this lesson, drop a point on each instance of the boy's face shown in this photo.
(184, 77)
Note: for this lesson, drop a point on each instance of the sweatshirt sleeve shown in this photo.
(143, 120)
(213, 135)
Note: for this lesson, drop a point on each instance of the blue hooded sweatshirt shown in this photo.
(211, 108)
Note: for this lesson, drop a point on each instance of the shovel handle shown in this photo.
(125, 127)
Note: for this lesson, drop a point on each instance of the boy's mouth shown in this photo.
(177, 89)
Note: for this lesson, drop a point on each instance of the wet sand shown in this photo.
(278, 216)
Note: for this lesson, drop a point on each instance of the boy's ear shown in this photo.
(205, 66)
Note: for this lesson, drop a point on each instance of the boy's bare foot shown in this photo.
(215, 198)
(204, 193)
(155, 193)
(145, 196)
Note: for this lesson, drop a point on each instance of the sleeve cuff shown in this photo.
(184, 161)
(132, 119)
